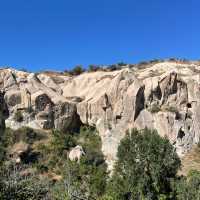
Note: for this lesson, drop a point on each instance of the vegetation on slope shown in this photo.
(146, 168)
(46, 162)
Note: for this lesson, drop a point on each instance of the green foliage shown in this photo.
(91, 144)
(106, 197)
(77, 70)
(121, 64)
(27, 135)
(114, 67)
(15, 186)
(171, 109)
(86, 179)
(93, 68)
(5, 137)
(146, 168)
(188, 188)
(61, 141)
(18, 117)
(154, 108)
(54, 154)
(60, 191)
(146, 165)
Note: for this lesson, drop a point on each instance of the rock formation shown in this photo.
(164, 96)
(76, 153)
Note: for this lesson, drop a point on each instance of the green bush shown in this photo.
(171, 109)
(27, 135)
(93, 68)
(87, 179)
(121, 64)
(61, 141)
(154, 108)
(53, 155)
(145, 167)
(5, 140)
(77, 70)
(114, 67)
(188, 187)
(18, 117)
(15, 186)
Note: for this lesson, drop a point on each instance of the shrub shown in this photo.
(27, 135)
(114, 67)
(61, 141)
(154, 61)
(15, 186)
(93, 68)
(188, 187)
(87, 179)
(121, 64)
(53, 155)
(171, 109)
(5, 140)
(18, 117)
(77, 70)
(145, 167)
(154, 108)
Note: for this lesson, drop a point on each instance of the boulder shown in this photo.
(76, 153)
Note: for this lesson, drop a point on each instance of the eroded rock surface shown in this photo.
(164, 96)
(42, 107)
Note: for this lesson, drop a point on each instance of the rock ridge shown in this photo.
(164, 96)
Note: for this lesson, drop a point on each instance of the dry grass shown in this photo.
(191, 161)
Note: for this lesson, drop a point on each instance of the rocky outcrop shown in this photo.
(42, 107)
(164, 96)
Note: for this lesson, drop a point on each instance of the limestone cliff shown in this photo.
(164, 96)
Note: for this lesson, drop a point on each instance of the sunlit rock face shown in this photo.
(164, 96)
(39, 101)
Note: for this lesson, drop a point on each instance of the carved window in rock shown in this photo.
(42, 101)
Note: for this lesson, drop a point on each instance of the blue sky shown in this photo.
(58, 34)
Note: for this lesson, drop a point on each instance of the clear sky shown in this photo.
(58, 34)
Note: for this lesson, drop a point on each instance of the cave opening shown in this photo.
(189, 105)
(181, 134)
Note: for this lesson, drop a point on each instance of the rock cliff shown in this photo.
(164, 96)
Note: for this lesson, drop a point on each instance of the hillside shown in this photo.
(163, 95)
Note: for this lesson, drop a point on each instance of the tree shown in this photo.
(77, 70)
(85, 180)
(145, 167)
(93, 68)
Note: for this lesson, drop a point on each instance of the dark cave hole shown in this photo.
(181, 134)
(189, 105)
(177, 116)
(118, 117)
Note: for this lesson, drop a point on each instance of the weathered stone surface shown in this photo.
(164, 96)
(76, 153)
(17, 152)
(37, 97)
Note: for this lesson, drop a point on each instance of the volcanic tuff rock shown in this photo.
(164, 96)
